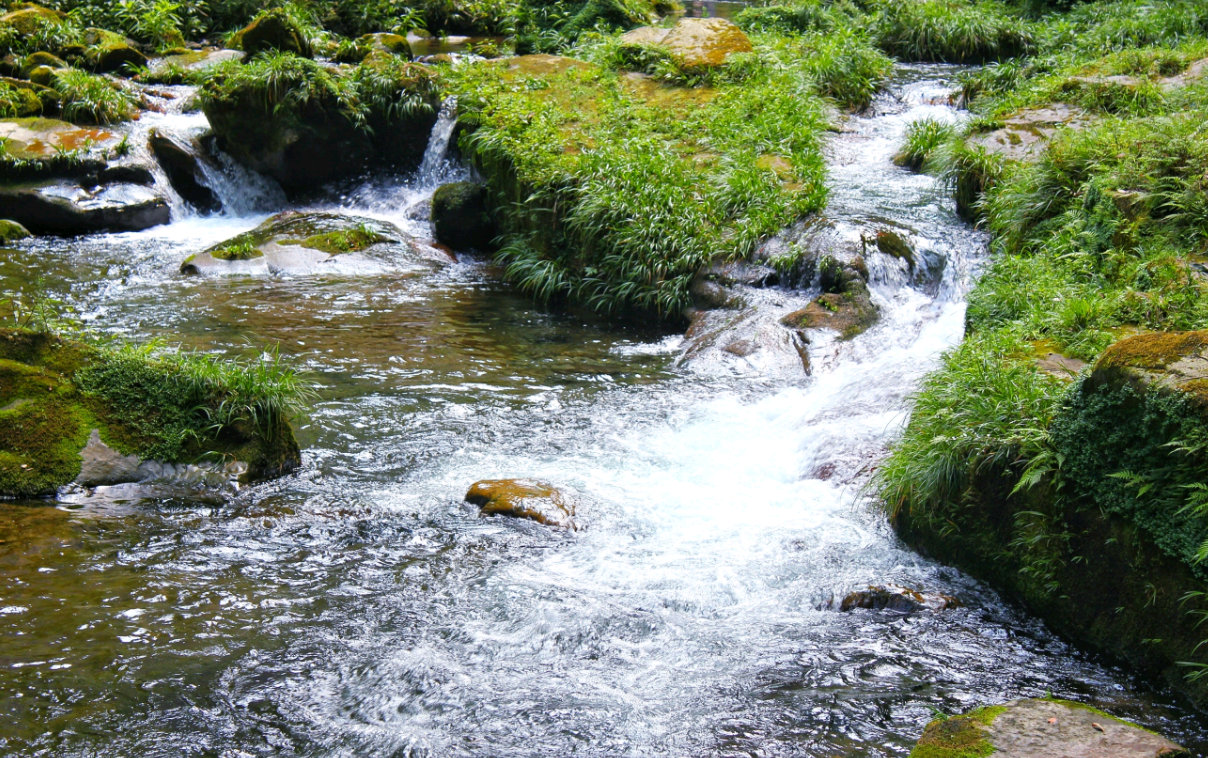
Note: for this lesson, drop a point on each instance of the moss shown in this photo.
(340, 241)
(11, 231)
(273, 30)
(958, 736)
(242, 248)
(1153, 351)
(54, 391)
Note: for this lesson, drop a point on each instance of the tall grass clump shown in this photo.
(983, 411)
(922, 139)
(951, 31)
(798, 17)
(93, 99)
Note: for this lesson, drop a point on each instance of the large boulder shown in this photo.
(74, 412)
(1030, 728)
(275, 29)
(66, 208)
(460, 218)
(108, 51)
(380, 112)
(523, 498)
(293, 243)
(31, 19)
(694, 44)
(181, 162)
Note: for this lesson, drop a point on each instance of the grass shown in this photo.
(923, 137)
(952, 31)
(616, 192)
(92, 99)
(149, 401)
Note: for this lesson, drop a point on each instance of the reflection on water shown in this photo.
(360, 608)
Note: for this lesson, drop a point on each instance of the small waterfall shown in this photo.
(240, 190)
(435, 165)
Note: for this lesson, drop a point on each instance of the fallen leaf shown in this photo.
(1052, 721)
(1096, 725)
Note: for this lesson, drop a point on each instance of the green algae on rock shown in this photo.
(1040, 727)
(57, 392)
(523, 498)
(460, 218)
(299, 243)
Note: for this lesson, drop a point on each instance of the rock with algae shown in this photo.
(1040, 727)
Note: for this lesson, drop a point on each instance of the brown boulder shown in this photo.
(523, 498)
(894, 598)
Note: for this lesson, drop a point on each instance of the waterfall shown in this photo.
(240, 190)
(435, 166)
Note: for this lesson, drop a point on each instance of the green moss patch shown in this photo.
(958, 736)
(168, 407)
(341, 241)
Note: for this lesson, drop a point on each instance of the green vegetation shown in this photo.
(147, 401)
(950, 31)
(630, 186)
(958, 736)
(922, 140)
(341, 241)
(92, 99)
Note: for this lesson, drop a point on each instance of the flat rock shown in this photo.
(1173, 360)
(197, 60)
(65, 208)
(295, 243)
(1024, 135)
(523, 498)
(695, 44)
(34, 138)
(1032, 728)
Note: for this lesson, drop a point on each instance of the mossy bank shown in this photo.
(1060, 451)
(56, 393)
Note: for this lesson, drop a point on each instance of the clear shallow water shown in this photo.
(360, 608)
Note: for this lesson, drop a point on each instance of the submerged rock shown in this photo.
(304, 243)
(849, 311)
(894, 598)
(523, 498)
(460, 218)
(1032, 728)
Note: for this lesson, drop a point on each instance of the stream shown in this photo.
(360, 608)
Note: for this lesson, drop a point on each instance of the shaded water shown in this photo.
(360, 608)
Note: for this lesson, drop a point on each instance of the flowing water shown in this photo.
(359, 608)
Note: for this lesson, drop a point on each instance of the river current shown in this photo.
(360, 608)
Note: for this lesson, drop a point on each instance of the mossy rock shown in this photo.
(275, 29)
(195, 60)
(44, 138)
(523, 498)
(460, 218)
(1025, 134)
(22, 97)
(114, 55)
(56, 393)
(367, 44)
(28, 20)
(11, 231)
(1040, 727)
(305, 243)
(42, 58)
(695, 44)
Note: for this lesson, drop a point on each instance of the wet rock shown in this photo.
(103, 466)
(65, 208)
(34, 139)
(295, 243)
(894, 598)
(460, 218)
(849, 311)
(708, 295)
(181, 162)
(746, 341)
(11, 231)
(1024, 135)
(31, 99)
(892, 244)
(196, 60)
(523, 498)
(694, 44)
(273, 30)
(1030, 728)
(743, 273)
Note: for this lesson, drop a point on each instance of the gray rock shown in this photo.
(65, 208)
